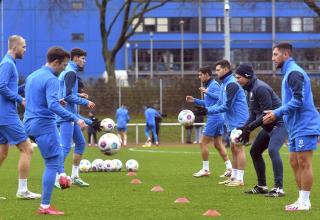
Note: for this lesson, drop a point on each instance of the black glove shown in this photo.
(245, 136)
(96, 125)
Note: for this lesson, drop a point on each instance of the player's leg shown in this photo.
(154, 133)
(66, 133)
(238, 165)
(217, 141)
(259, 145)
(204, 146)
(4, 149)
(277, 138)
(79, 149)
(51, 151)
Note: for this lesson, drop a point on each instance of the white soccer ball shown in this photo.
(107, 124)
(97, 165)
(234, 135)
(186, 117)
(84, 165)
(117, 164)
(132, 165)
(109, 144)
(108, 165)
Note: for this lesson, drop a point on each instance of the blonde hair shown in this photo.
(13, 40)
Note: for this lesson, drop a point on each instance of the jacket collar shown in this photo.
(286, 65)
(73, 66)
(206, 84)
(226, 76)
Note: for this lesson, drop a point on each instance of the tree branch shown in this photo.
(313, 5)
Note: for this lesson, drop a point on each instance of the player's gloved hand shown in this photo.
(245, 136)
(96, 125)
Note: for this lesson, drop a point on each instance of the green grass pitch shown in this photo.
(111, 196)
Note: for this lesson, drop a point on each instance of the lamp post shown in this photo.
(126, 59)
(227, 30)
(136, 62)
(182, 49)
(2, 30)
(151, 55)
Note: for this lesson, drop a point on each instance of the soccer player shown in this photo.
(214, 125)
(301, 119)
(271, 136)
(232, 102)
(70, 131)
(122, 116)
(11, 128)
(42, 106)
(151, 114)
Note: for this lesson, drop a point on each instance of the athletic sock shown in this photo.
(75, 171)
(305, 196)
(205, 165)
(228, 164)
(234, 174)
(240, 175)
(23, 185)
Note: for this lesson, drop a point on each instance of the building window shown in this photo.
(162, 24)
(77, 5)
(149, 24)
(284, 24)
(308, 24)
(210, 25)
(247, 24)
(296, 25)
(139, 28)
(235, 24)
(260, 25)
(77, 36)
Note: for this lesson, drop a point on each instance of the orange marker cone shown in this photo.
(157, 189)
(212, 213)
(131, 174)
(135, 181)
(182, 200)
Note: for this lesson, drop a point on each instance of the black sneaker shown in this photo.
(257, 190)
(275, 192)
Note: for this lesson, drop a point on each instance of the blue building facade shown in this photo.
(187, 24)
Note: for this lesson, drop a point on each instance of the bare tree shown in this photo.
(313, 5)
(132, 13)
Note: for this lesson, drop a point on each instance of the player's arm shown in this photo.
(231, 91)
(199, 102)
(6, 70)
(70, 79)
(264, 99)
(52, 86)
(214, 91)
(295, 83)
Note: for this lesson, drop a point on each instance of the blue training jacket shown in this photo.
(9, 96)
(42, 103)
(299, 113)
(72, 99)
(122, 116)
(235, 108)
(150, 114)
(211, 97)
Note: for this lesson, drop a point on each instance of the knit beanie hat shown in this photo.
(245, 70)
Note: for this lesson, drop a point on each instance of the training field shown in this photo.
(111, 196)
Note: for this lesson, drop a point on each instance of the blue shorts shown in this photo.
(49, 144)
(13, 133)
(122, 129)
(303, 143)
(213, 128)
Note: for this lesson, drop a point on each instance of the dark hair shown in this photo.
(77, 52)
(284, 47)
(205, 70)
(223, 64)
(57, 53)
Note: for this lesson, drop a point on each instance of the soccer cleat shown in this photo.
(227, 173)
(57, 185)
(49, 211)
(298, 206)
(257, 190)
(202, 173)
(235, 183)
(79, 182)
(64, 182)
(275, 192)
(28, 195)
(226, 181)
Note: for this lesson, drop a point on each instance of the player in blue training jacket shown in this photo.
(150, 115)
(11, 128)
(214, 126)
(42, 106)
(233, 103)
(123, 117)
(301, 119)
(70, 131)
